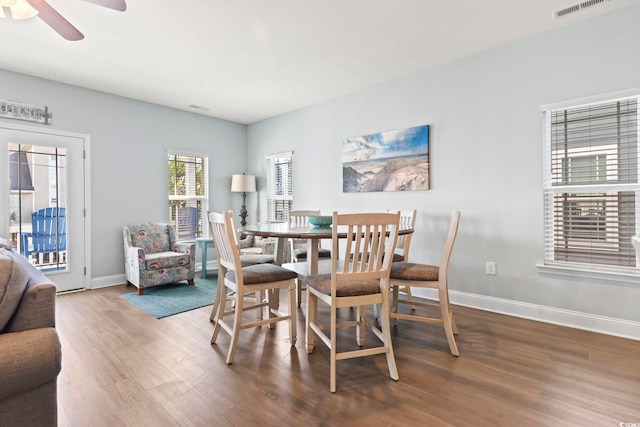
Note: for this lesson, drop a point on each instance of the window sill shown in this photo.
(626, 275)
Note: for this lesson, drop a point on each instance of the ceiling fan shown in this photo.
(22, 9)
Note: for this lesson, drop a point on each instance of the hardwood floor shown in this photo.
(122, 367)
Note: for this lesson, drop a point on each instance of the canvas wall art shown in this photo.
(395, 160)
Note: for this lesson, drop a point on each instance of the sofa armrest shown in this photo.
(28, 359)
(37, 308)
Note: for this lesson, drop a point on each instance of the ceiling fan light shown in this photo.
(7, 3)
(22, 10)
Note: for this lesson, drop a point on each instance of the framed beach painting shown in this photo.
(395, 160)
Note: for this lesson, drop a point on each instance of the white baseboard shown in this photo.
(574, 319)
(119, 279)
(105, 281)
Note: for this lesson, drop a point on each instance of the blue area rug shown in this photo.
(167, 300)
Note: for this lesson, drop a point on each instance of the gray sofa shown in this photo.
(30, 353)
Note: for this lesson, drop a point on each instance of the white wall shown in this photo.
(129, 143)
(486, 152)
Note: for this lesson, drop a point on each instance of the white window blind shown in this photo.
(591, 184)
(280, 186)
(188, 194)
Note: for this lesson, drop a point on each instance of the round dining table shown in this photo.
(312, 234)
(283, 231)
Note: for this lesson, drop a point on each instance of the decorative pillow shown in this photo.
(5, 244)
(13, 282)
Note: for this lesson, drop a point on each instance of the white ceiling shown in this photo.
(247, 60)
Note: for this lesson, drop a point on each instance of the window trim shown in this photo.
(617, 274)
(584, 270)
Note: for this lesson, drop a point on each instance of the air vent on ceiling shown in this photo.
(576, 7)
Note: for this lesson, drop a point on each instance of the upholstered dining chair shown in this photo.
(357, 279)
(250, 258)
(298, 247)
(408, 274)
(252, 279)
(407, 220)
(401, 254)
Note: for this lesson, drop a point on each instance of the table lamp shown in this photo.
(243, 184)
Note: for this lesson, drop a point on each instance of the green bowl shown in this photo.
(321, 220)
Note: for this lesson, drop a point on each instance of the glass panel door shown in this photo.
(38, 204)
(46, 194)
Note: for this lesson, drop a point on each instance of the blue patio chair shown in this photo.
(187, 223)
(47, 236)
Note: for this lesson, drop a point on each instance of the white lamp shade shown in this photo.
(243, 183)
(22, 10)
(7, 3)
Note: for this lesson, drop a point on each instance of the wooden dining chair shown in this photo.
(407, 220)
(359, 278)
(300, 218)
(408, 274)
(252, 279)
(401, 254)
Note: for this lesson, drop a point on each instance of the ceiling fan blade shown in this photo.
(119, 5)
(56, 21)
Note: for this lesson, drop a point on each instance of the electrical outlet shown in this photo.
(491, 268)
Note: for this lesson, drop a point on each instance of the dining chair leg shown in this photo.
(332, 369)
(312, 310)
(293, 329)
(271, 296)
(453, 323)
(216, 302)
(299, 291)
(447, 320)
(237, 321)
(275, 299)
(220, 306)
(409, 296)
(396, 304)
(386, 335)
(360, 330)
(259, 298)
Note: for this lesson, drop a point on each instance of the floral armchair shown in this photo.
(153, 256)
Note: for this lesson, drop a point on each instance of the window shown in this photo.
(280, 186)
(591, 185)
(188, 194)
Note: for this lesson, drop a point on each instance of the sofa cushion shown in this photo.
(13, 282)
(166, 260)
